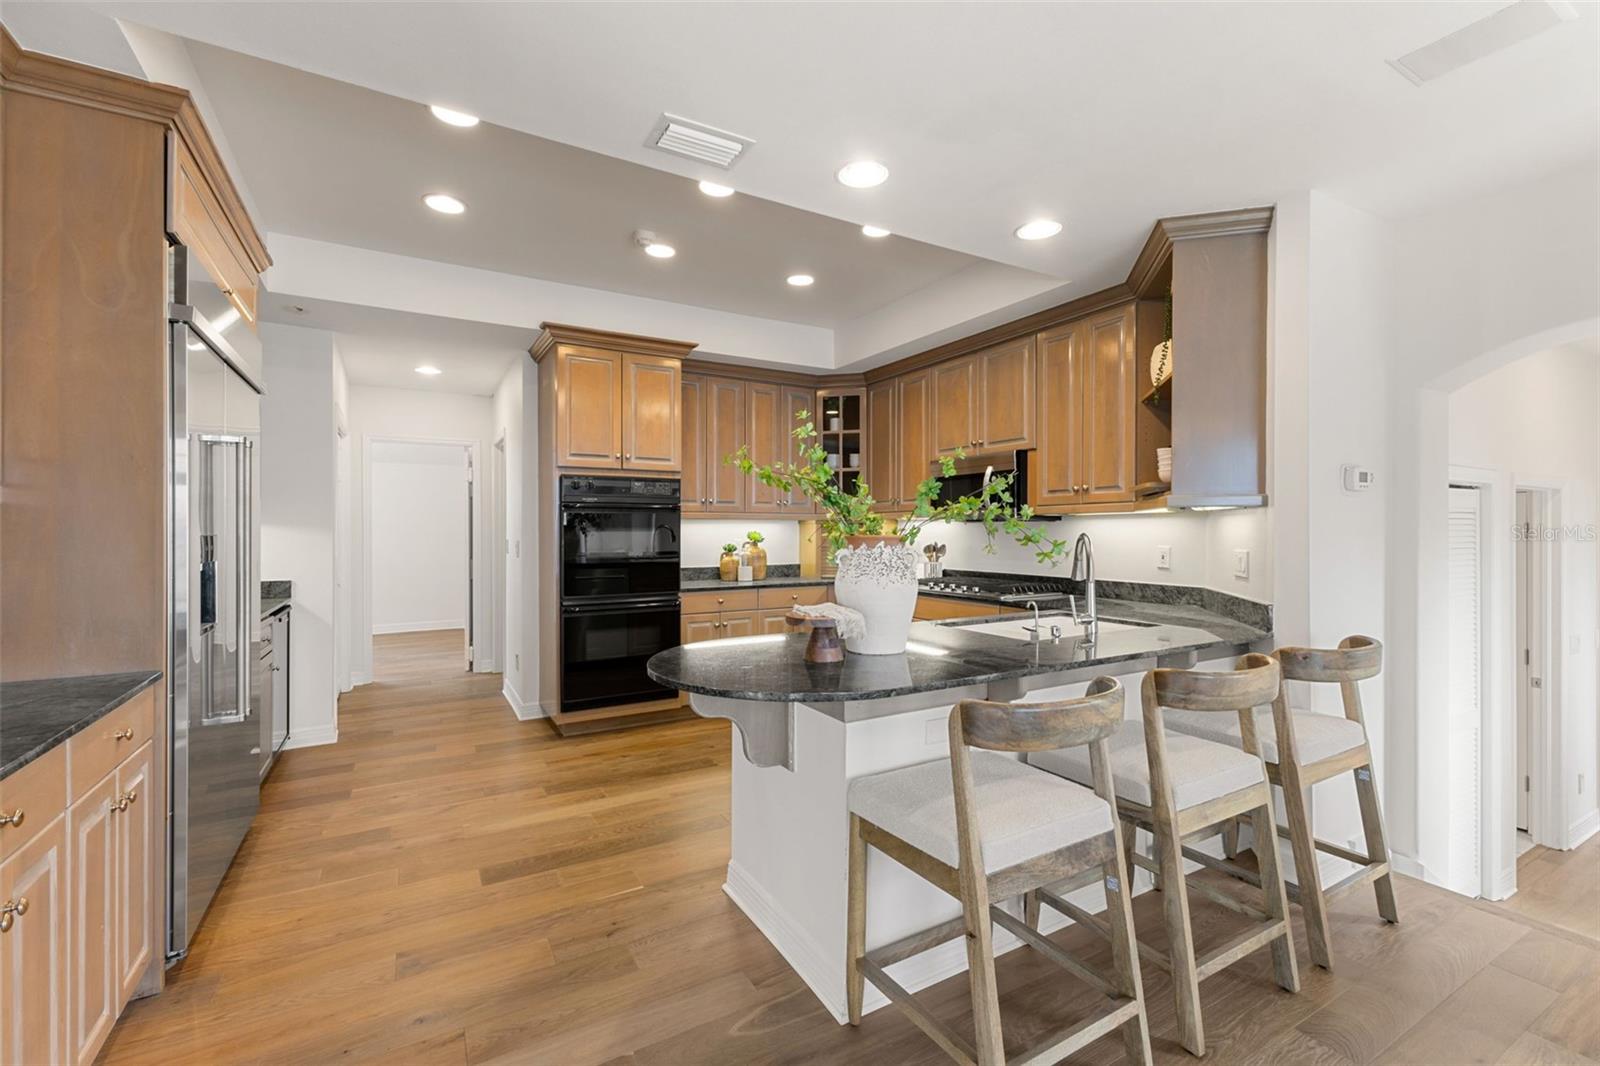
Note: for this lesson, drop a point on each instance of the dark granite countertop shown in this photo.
(271, 605)
(773, 669)
(688, 585)
(35, 716)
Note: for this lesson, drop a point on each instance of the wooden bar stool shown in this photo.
(1301, 748)
(982, 826)
(1181, 788)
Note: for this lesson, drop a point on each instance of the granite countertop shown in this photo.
(778, 582)
(35, 716)
(772, 669)
(271, 605)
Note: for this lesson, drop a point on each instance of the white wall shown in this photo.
(515, 421)
(419, 536)
(1532, 423)
(414, 415)
(298, 418)
(703, 539)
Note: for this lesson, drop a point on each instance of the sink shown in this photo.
(1017, 628)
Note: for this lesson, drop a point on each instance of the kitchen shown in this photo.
(623, 799)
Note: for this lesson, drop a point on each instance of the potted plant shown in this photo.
(758, 555)
(728, 565)
(877, 569)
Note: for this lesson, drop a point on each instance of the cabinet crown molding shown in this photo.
(48, 76)
(554, 333)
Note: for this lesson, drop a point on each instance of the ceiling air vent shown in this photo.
(697, 141)
(1488, 35)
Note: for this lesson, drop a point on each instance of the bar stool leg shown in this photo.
(856, 921)
(1030, 909)
(1377, 846)
(1180, 938)
(1230, 839)
(1125, 958)
(980, 967)
(1297, 808)
(1274, 900)
(1130, 847)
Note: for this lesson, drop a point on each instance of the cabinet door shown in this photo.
(1053, 476)
(915, 451)
(739, 624)
(1110, 382)
(34, 994)
(883, 453)
(1005, 396)
(725, 429)
(775, 621)
(93, 909)
(693, 484)
(763, 429)
(697, 627)
(797, 402)
(136, 850)
(652, 426)
(588, 408)
(955, 406)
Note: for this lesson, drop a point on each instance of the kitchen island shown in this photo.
(803, 731)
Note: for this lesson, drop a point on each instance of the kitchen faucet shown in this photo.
(1035, 631)
(1083, 570)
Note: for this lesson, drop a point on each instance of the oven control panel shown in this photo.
(584, 489)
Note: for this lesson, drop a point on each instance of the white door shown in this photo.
(1523, 650)
(1465, 553)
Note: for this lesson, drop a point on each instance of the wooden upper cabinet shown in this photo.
(1005, 377)
(955, 406)
(796, 402)
(652, 428)
(1109, 386)
(915, 454)
(588, 408)
(883, 443)
(764, 412)
(725, 430)
(692, 486)
(1053, 475)
(34, 990)
(204, 228)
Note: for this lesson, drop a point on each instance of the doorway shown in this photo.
(1534, 596)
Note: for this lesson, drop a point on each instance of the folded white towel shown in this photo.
(852, 623)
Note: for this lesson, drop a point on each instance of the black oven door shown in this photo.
(610, 551)
(604, 648)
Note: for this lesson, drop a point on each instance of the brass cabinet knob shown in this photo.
(10, 911)
(14, 818)
(628, 456)
(123, 734)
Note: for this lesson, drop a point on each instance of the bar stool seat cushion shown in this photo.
(1022, 812)
(1200, 770)
(1317, 736)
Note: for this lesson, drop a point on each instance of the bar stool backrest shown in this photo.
(1355, 659)
(1255, 680)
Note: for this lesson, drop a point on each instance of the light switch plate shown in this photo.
(1241, 562)
(1163, 557)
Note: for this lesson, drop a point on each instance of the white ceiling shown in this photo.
(384, 348)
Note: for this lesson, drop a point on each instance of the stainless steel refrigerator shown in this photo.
(215, 617)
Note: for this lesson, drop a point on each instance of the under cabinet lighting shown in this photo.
(429, 371)
(452, 117)
(711, 188)
(1038, 229)
(444, 203)
(874, 231)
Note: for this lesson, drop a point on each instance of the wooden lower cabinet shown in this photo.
(136, 854)
(93, 866)
(34, 992)
(935, 608)
(744, 612)
(775, 621)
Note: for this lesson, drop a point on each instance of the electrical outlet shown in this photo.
(1163, 557)
(516, 660)
(1241, 562)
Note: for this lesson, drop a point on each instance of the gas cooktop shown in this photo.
(1003, 590)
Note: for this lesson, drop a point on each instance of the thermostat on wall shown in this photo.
(1358, 478)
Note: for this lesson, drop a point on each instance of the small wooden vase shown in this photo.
(728, 568)
(824, 646)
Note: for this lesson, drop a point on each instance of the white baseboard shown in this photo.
(360, 678)
(524, 710)
(416, 627)
(1505, 883)
(315, 737)
(1584, 828)
(1405, 864)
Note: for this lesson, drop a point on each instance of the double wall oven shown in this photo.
(619, 587)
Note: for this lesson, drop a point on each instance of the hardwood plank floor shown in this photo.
(1558, 888)
(448, 884)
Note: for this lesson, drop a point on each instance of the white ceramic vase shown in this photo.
(878, 577)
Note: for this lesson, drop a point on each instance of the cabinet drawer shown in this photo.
(709, 602)
(97, 750)
(803, 596)
(39, 791)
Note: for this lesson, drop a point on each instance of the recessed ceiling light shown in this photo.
(652, 247)
(711, 188)
(800, 281)
(863, 174)
(429, 371)
(874, 231)
(444, 203)
(453, 118)
(1038, 229)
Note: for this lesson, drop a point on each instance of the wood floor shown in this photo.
(1560, 888)
(447, 884)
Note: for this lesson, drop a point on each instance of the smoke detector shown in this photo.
(698, 141)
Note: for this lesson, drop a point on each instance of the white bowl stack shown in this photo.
(1164, 464)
